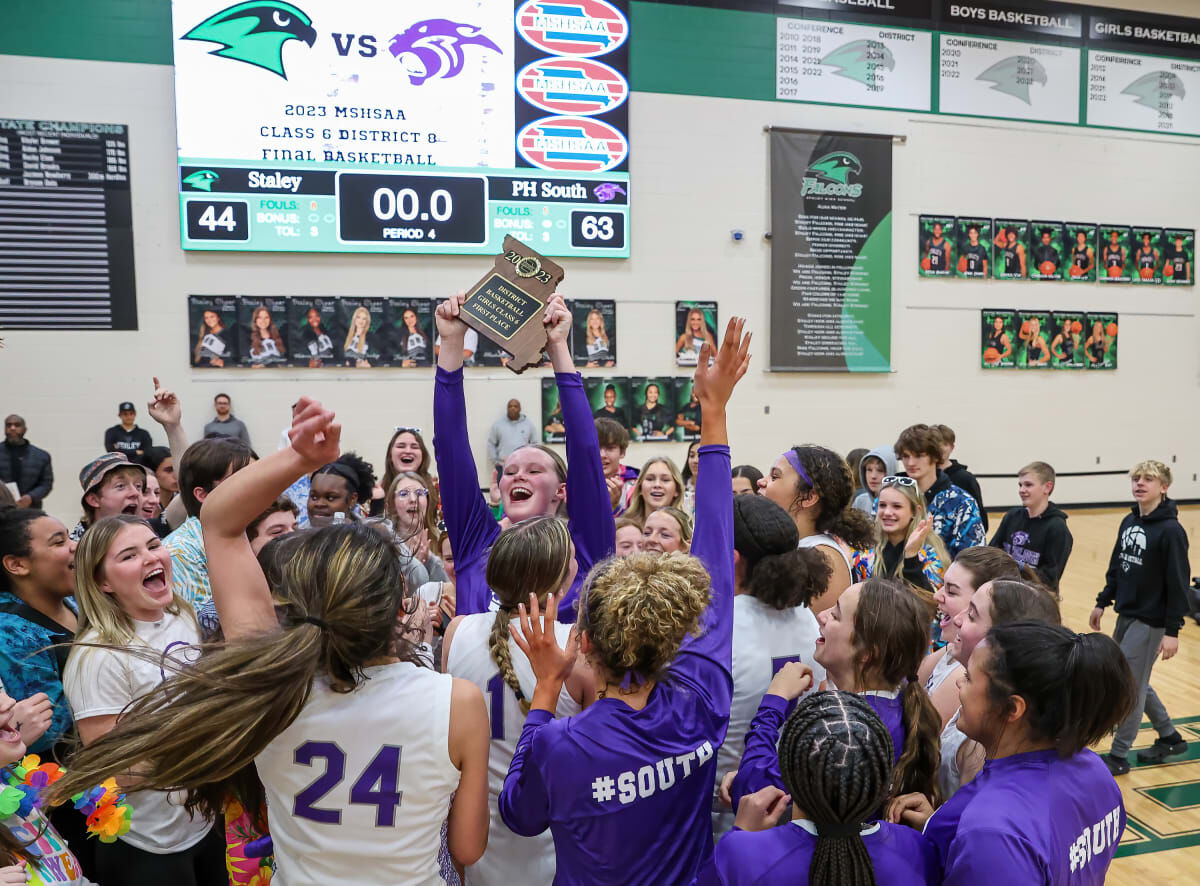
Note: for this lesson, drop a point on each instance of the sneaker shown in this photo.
(1162, 748)
(1116, 765)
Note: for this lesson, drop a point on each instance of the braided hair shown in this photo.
(835, 756)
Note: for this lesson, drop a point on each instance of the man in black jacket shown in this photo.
(24, 464)
(127, 437)
(958, 473)
(1147, 580)
(1036, 534)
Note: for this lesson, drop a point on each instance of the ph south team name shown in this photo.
(650, 779)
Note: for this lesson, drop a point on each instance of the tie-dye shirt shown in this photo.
(189, 564)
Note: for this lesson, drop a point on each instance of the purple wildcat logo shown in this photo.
(607, 191)
(434, 48)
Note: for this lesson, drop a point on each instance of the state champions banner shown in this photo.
(831, 252)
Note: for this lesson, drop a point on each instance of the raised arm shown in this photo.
(239, 588)
(713, 539)
(469, 521)
(760, 761)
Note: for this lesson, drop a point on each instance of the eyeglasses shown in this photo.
(418, 493)
(400, 429)
(899, 481)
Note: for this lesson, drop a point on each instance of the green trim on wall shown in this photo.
(99, 30)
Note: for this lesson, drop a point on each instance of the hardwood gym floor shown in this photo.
(1162, 841)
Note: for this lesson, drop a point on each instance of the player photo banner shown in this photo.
(1033, 342)
(1147, 255)
(999, 338)
(553, 429)
(316, 332)
(1067, 330)
(831, 252)
(652, 411)
(1079, 250)
(609, 398)
(1009, 256)
(1115, 254)
(412, 331)
(1100, 347)
(262, 327)
(974, 256)
(687, 410)
(1045, 250)
(1179, 253)
(365, 330)
(212, 331)
(936, 245)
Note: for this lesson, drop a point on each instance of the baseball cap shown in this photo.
(97, 469)
(126, 406)
(762, 528)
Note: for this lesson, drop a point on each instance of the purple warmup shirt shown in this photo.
(1031, 819)
(760, 763)
(469, 520)
(901, 857)
(627, 794)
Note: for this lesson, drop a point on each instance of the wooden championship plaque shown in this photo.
(508, 303)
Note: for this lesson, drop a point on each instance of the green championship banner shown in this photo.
(831, 252)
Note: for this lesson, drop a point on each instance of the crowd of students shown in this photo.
(614, 676)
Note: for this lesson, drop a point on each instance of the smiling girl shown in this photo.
(534, 482)
(904, 546)
(667, 530)
(659, 485)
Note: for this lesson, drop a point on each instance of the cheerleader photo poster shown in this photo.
(315, 331)
(364, 342)
(212, 329)
(412, 332)
(262, 324)
(695, 324)
(594, 332)
(999, 338)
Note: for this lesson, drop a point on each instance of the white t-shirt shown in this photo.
(99, 682)
(510, 859)
(359, 785)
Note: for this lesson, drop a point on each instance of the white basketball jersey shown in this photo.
(510, 859)
(359, 785)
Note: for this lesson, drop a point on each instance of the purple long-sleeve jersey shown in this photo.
(1031, 818)
(900, 855)
(627, 794)
(760, 763)
(469, 521)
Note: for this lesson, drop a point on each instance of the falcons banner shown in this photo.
(831, 252)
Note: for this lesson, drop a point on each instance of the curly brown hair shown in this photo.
(834, 486)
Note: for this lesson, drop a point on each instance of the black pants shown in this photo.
(202, 865)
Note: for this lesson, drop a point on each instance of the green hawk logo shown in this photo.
(201, 179)
(255, 32)
(828, 176)
(858, 60)
(1155, 90)
(1014, 75)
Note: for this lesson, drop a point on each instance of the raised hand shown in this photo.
(792, 681)
(447, 315)
(551, 663)
(713, 385)
(314, 434)
(916, 538)
(761, 810)
(557, 320)
(164, 406)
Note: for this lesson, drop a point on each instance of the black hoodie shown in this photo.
(1042, 543)
(965, 480)
(1148, 572)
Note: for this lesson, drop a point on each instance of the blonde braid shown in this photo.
(502, 656)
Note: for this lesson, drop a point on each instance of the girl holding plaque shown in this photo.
(534, 482)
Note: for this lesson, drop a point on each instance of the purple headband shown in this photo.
(794, 460)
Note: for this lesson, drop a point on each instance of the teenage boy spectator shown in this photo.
(955, 514)
(127, 437)
(24, 464)
(621, 479)
(510, 433)
(111, 485)
(880, 462)
(958, 473)
(225, 424)
(203, 466)
(1036, 534)
(1147, 580)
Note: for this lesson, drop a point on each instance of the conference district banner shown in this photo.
(831, 245)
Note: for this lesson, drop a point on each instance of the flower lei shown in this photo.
(108, 815)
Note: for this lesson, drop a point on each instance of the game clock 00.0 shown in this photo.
(381, 207)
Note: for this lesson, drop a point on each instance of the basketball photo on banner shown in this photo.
(974, 235)
(315, 331)
(1179, 250)
(609, 398)
(412, 331)
(687, 410)
(999, 339)
(1079, 247)
(1066, 342)
(1045, 250)
(695, 324)
(595, 332)
(1033, 339)
(364, 343)
(1114, 254)
(1008, 249)
(1101, 345)
(212, 331)
(262, 326)
(935, 246)
(1147, 255)
(652, 411)
(553, 429)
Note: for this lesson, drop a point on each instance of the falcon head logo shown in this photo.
(434, 48)
(1014, 75)
(254, 32)
(835, 167)
(858, 60)
(201, 179)
(1156, 90)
